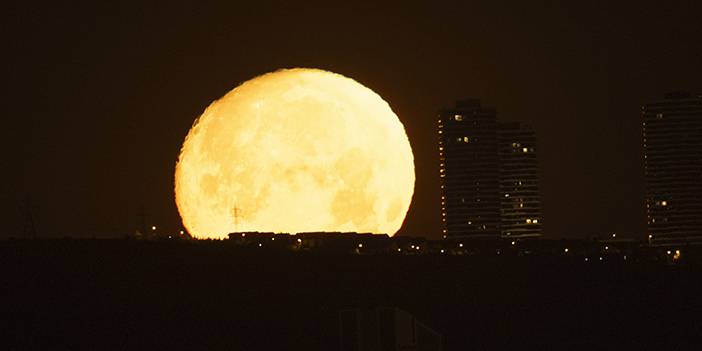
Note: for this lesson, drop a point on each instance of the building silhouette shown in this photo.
(469, 170)
(385, 329)
(489, 174)
(672, 142)
(519, 181)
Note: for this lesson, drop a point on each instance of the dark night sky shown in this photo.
(99, 97)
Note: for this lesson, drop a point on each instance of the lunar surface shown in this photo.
(296, 150)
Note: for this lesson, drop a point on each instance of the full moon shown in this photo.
(296, 150)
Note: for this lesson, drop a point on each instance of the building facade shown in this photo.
(672, 143)
(488, 174)
(520, 201)
(469, 170)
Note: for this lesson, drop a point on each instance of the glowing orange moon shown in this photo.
(296, 150)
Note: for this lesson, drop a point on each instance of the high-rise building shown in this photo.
(519, 182)
(469, 170)
(672, 140)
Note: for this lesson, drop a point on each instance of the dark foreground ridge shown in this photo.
(217, 295)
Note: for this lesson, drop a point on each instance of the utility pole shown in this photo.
(236, 218)
(142, 221)
(29, 229)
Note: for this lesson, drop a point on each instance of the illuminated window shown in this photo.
(466, 139)
(458, 117)
(535, 221)
(664, 203)
(523, 149)
(659, 115)
(528, 220)
(566, 250)
(360, 246)
(460, 245)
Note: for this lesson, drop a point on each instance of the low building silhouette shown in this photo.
(385, 329)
